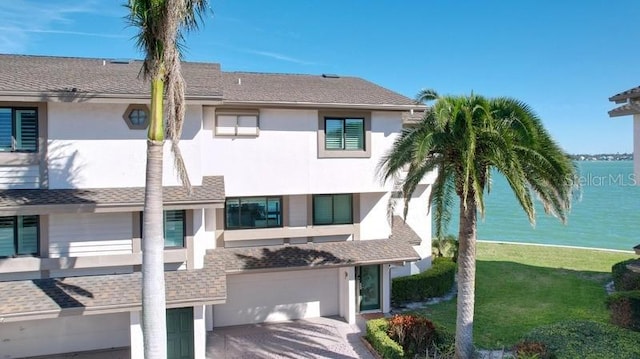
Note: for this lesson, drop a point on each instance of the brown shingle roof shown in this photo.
(307, 89)
(25, 200)
(623, 96)
(398, 248)
(49, 298)
(53, 297)
(75, 79)
(58, 76)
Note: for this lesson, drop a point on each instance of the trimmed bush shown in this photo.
(623, 278)
(380, 341)
(414, 333)
(625, 309)
(586, 340)
(434, 282)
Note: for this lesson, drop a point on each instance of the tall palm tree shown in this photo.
(467, 139)
(161, 25)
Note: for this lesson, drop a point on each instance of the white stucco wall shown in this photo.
(19, 177)
(278, 296)
(89, 234)
(374, 222)
(63, 335)
(90, 145)
(283, 159)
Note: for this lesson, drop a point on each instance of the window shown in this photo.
(237, 123)
(173, 224)
(136, 117)
(18, 129)
(18, 236)
(332, 209)
(174, 229)
(344, 134)
(253, 212)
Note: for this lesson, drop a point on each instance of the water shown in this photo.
(606, 216)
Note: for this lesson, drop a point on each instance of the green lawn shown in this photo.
(520, 287)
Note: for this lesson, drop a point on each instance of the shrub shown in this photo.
(434, 282)
(380, 341)
(625, 309)
(623, 278)
(414, 333)
(586, 340)
(531, 350)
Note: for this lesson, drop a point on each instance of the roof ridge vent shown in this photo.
(330, 76)
(120, 61)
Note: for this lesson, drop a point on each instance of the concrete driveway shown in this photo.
(309, 338)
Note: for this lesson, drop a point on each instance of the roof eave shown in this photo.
(214, 99)
(359, 106)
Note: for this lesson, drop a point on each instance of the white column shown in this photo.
(351, 287)
(636, 149)
(386, 288)
(199, 333)
(135, 331)
(199, 238)
(208, 317)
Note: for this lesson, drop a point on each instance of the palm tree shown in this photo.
(161, 25)
(467, 139)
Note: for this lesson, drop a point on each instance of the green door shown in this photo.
(180, 333)
(368, 287)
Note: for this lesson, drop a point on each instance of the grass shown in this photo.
(521, 287)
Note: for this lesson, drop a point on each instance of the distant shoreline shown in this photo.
(557, 246)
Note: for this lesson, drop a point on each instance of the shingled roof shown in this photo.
(264, 88)
(54, 297)
(397, 249)
(36, 201)
(43, 78)
(86, 78)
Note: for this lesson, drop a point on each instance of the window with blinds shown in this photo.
(237, 123)
(18, 236)
(174, 230)
(332, 209)
(344, 134)
(18, 129)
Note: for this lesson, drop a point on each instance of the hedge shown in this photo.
(623, 278)
(587, 340)
(434, 282)
(625, 309)
(380, 341)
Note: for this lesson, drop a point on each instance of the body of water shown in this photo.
(606, 213)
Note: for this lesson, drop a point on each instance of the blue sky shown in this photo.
(564, 58)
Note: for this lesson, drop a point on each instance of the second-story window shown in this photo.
(344, 134)
(332, 209)
(18, 129)
(19, 236)
(173, 225)
(174, 229)
(253, 212)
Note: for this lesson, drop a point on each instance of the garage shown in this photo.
(278, 296)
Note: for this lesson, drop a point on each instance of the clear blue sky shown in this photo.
(564, 58)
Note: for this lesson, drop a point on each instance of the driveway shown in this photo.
(309, 338)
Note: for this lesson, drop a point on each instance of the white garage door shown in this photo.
(278, 296)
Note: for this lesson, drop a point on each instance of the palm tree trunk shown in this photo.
(153, 292)
(466, 279)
